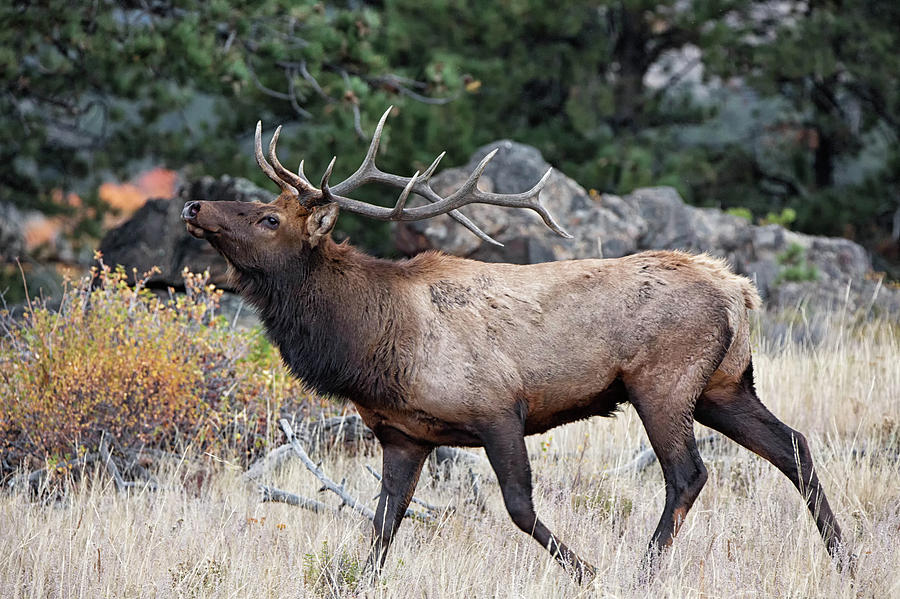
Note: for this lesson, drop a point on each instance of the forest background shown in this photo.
(785, 112)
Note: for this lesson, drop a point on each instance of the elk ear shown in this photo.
(321, 222)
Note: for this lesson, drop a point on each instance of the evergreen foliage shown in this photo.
(755, 105)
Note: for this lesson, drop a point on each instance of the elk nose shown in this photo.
(190, 211)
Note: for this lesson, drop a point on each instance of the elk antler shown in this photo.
(285, 186)
(368, 172)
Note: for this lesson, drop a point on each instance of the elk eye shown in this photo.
(270, 222)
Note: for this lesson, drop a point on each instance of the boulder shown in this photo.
(12, 238)
(788, 267)
(155, 235)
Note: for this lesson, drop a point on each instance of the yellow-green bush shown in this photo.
(150, 372)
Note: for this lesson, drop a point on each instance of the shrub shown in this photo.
(148, 371)
(741, 212)
(784, 218)
(331, 573)
(794, 266)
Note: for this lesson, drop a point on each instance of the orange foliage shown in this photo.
(149, 372)
(127, 198)
(39, 230)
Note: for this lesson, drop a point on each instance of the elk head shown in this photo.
(260, 237)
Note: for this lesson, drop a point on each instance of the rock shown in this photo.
(155, 235)
(789, 268)
(12, 239)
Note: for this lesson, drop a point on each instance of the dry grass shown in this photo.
(748, 535)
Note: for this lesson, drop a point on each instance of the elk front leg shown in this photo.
(401, 465)
(505, 448)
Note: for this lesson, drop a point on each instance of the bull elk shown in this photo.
(440, 350)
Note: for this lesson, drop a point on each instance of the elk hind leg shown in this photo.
(672, 439)
(736, 411)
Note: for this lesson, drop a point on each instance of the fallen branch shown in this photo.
(111, 467)
(327, 483)
(278, 495)
(36, 478)
(275, 459)
(121, 484)
(271, 461)
(329, 432)
(646, 458)
(454, 455)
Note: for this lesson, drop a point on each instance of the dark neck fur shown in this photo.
(334, 316)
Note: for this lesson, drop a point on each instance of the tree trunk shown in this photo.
(630, 55)
(823, 160)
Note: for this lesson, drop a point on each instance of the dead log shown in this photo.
(112, 467)
(338, 489)
(270, 462)
(281, 496)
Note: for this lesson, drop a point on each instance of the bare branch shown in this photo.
(266, 90)
(327, 483)
(121, 484)
(36, 478)
(273, 460)
(304, 72)
(400, 84)
(280, 496)
(292, 95)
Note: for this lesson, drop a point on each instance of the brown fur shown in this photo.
(439, 350)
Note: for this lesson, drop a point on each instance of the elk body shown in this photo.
(440, 350)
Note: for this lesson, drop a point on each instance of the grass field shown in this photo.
(748, 535)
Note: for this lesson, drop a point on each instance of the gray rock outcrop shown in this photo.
(12, 239)
(788, 267)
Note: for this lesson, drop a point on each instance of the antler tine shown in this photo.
(300, 171)
(296, 179)
(542, 210)
(471, 184)
(267, 168)
(430, 170)
(469, 193)
(324, 185)
(527, 199)
(376, 137)
(464, 221)
(367, 171)
(401, 201)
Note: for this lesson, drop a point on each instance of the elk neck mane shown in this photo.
(339, 319)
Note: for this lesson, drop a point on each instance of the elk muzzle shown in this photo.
(190, 215)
